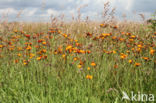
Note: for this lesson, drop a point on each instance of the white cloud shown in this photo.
(52, 12)
(32, 8)
(8, 11)
(30, 12)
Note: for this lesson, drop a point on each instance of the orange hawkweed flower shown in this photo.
(75, 59)
(19, 54)
(31, 55)
(123, 56)
(44, 57)
(63, 56)
(44, 51)
(114, 37)
(55, 52)
(19, 48)
(44, 43)
(140, 46)
(114, 52)
(60, 49)
(68, 47)
(128, 34)
(145, 58)
(65, 35)
(16, 61)
(88, 68)
(89, 34)
(15, 31)
(79, 66)
(82, 51)
(114, 27)
(27, 35)
(130, 61)
(115, 66)
(93, 64)
(88, 51)
(39, 58)
(131, 40)
(137, 64)
(41, 40)
(25, 62)
(1, 46)
(138, 50)
(89, 77)
(132, 36)
(152, 51)
(29, 47)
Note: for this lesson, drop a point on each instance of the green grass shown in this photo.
(59, 80)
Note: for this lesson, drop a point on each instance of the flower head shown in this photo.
(89, 77)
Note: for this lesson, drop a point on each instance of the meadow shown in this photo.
(76, 62)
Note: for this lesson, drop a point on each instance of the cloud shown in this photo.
(34, 8)
(8, 11)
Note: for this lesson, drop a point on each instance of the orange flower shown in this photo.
(19, 54)
(130, 40)
(44, 43)
(82, 51)
(63, 56)
(130, 61)
(28, 47)
(140, 46)
(123, 56)
(137, 64)
(16, 61)
(27, 35)
(114, 52)
(93, 64)
(101, 25)
(88, 68)
(60, 49)
(65, 35)
(132, 36)
(25, 62)
(19, 48)
(115, 66)
(44, 51)
(152, 51)
(68, 47)
(31, 55)
(39, 58)
(55, 52)
(138, 50)
(41, 40)
(1, 46)
(76, 40)
(114, 37)
(79, 66)
(78, 44)
(75, 59)
(128, 34)
(89, 77)
(145, 58)
(15, 31)
(89, 34)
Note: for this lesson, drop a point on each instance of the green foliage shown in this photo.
(59, 80)
(153, 22)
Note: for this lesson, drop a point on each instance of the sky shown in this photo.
(41, 10)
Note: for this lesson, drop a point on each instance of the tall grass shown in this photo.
(76, 62)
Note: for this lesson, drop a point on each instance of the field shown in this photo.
(76, 62)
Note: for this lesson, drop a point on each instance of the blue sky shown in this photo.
(31, 10)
